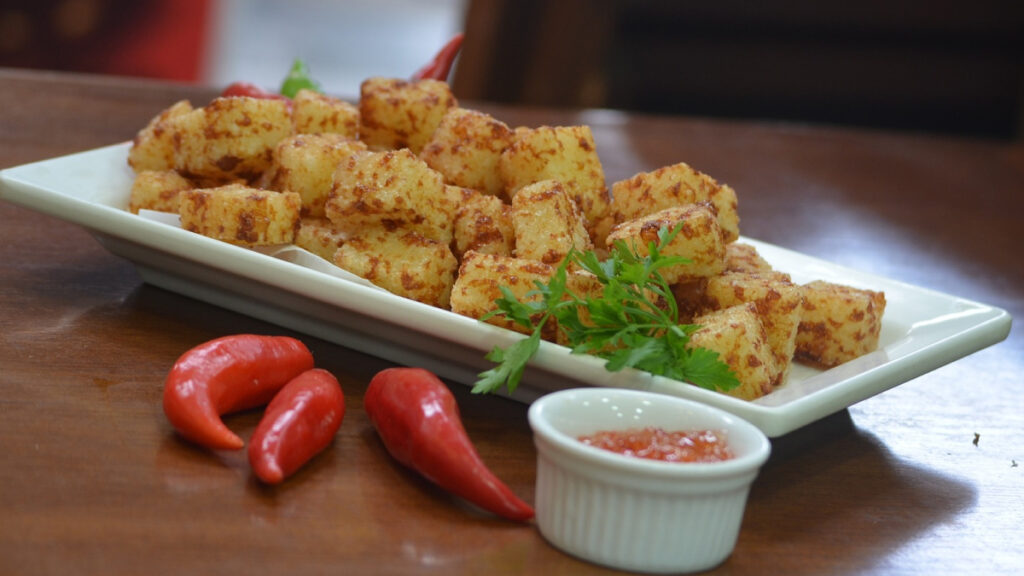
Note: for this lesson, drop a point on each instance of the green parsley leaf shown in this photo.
(634, 324)
(511, 363)
(298, 78)
(706, 370)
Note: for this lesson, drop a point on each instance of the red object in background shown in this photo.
(441, 65)
(251, 90)
(164, 39)
(168, 41)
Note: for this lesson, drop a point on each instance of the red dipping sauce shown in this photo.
(658, 444)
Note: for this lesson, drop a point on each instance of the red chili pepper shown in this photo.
(441, 65)
(418, 420)
(226, 375)
(252, 91)
(298, 424)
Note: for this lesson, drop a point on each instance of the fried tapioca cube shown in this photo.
(777, 301)
(403, 262)
(319, 236)
(153, 146)
(305, 163)
(564, 153)
(316, 113)
(738, 337)
(742, 257)
(548, 223)
(241, 215)
(699, 240)
(483, 223)
(479, 283)
(157, 190)
(391, 189)
(675, 185)
(838, 323)
(229, 139)
(466, 147)
(396, 113)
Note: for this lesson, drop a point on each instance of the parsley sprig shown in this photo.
(298, 78)
(634, 323)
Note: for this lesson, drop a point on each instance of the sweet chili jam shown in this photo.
(659, 444)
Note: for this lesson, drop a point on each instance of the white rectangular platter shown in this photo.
(921, 330)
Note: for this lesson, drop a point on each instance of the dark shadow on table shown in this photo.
(883, 504)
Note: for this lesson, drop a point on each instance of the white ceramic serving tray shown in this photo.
(921, 330)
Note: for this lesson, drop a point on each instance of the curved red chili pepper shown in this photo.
(252, 91)
(298, 424)
(226, 375)
(418, 420)
(441, 65)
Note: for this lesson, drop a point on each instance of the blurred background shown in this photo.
(942, 66)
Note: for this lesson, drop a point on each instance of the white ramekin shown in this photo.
(631, 513)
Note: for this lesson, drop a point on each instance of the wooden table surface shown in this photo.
(925, 478)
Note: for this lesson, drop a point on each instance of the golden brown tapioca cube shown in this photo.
(402, 262)
(390, 189)
(742, 257)
(675, 185)
(319, 236)
(479, 281)
(157, 190)
(396, 113)
(738, 337)
(316, 113)
(699, 240)
(838, 323)
(465, 149)
(777, 301)
(153, 146)
(483, 223)
(548, 223)
(305, 163)
(230, 138)
(689, 296)
(241, 215)
(564, 153)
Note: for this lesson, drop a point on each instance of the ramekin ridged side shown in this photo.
(633, 529)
